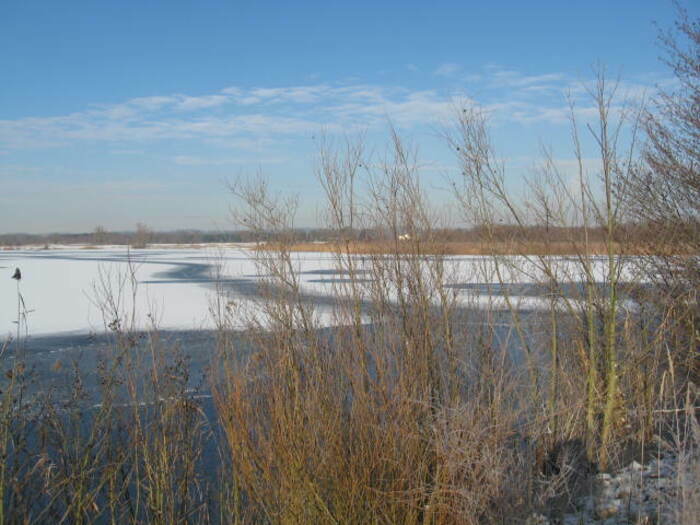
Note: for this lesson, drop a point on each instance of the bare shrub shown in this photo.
(399, 414)
(591, 328)
(667, 191)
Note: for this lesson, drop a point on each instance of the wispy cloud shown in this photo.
(191, 160)
(447, 70)
(246, 117)
(241, 115)
(502, 77)
(195, 103)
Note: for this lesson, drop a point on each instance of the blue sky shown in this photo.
(114, 113)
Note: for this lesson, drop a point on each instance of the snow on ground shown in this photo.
(61, 285)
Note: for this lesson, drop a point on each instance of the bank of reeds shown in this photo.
(437, 247)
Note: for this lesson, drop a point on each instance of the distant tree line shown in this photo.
(142, 236)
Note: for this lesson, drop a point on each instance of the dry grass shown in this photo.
(463, 248)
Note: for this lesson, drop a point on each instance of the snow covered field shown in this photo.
(61, 286)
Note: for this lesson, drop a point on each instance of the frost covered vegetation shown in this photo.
(414, 408)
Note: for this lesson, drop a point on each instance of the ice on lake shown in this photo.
(63, 288)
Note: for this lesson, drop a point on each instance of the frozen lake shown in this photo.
(63, 288)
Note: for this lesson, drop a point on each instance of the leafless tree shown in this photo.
(668, 190)
(99, 236)
(142, 236)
